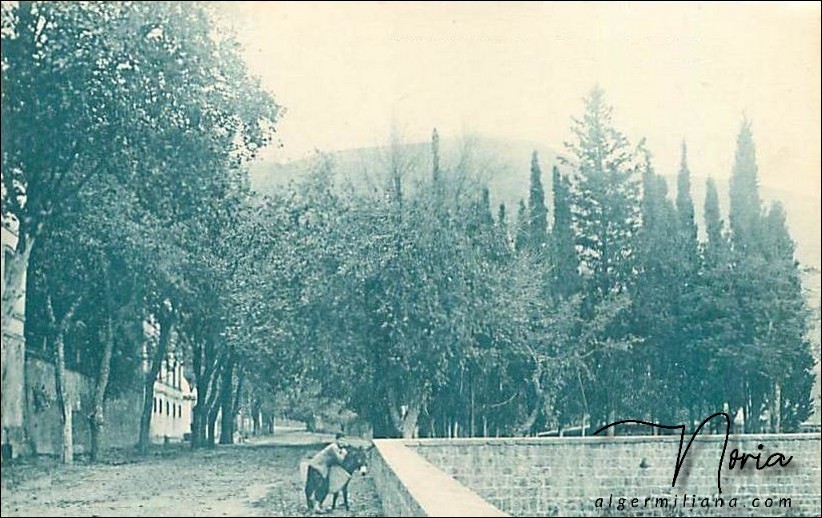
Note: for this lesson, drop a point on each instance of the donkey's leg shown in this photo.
(310, 486)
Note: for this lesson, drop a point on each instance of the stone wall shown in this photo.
(565, 476)
(409, 485)
(43, 429)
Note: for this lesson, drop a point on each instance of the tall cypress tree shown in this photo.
(501, 216)
(521, 239)
(657, 289)
(684, 203)
(537, 211)
(715, 316)
(566, 263)
(714, 226)
(782, 322)
(746, 207)
(486, 219)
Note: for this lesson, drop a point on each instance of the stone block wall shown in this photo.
(409, 485)
(565, 476)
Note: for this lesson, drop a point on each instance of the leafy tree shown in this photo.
(156, 103)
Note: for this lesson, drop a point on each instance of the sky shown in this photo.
(347, 73)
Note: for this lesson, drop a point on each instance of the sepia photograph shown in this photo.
(411, 258)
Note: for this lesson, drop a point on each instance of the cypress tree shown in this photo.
(714, 226)
(501, 215)
(783, 318)
(566, 263)
(746, 207)
(521, 239)
(684, 203)
(538, 212)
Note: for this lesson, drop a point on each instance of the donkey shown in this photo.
(356, 460)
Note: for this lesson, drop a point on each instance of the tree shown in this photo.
(746, 206)
(521, 237)
(714, 225)
(565, 261)
(605, 216)
(787, 358)
(73, 69)
(605, 198)
(685, 204)
(152, 97)
(658, 303)
(537, 211)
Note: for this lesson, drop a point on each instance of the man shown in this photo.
(316, 483)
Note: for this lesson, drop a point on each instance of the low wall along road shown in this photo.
(566, 476)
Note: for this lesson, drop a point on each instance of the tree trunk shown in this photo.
(166, 321)
(97, 417)
(207, 364)
(472, 430)
(213, 413)
(256, 409)
(611, 419)
(198, 425)
(212, 408)
(777, 409)
(14, 274)
(63, 403)
(405, 424)
(226, 403)
(409, 425)
(525, 428)
(238, 394)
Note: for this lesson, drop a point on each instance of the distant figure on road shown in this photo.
(316, 482)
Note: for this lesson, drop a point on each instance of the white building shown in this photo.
(172, 408)
(173, 402)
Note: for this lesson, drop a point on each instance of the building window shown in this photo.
(167, 412)
(154, 408)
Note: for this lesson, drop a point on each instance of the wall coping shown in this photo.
(602, 440)
(436, 492)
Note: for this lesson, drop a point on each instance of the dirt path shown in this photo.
(252, 479)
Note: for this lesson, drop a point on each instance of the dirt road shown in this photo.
(252, 479)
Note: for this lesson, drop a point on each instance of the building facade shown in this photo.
(173, 402)
(12, 358)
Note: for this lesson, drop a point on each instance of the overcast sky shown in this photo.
(347, 72)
